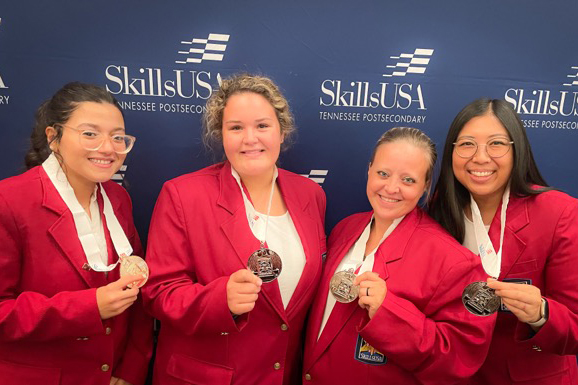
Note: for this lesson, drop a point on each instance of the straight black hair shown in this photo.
(450, 197)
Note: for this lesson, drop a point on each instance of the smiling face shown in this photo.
(251, 134)
(80, 165)
(396, 179)
(484, 177)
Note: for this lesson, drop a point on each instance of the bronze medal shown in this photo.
(342, 288)
(479, 299)
(265, 264)
(133, 265)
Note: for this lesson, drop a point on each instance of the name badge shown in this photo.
(367, 354)
(522, 281)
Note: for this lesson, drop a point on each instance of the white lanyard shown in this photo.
(82, 221)
(252, 215)
(491, 260)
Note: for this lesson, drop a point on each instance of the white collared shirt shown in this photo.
(355, 257)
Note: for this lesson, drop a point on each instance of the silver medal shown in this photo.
(265, 264)
(479, 299)
(342, 288)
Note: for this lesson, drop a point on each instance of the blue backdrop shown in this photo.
(350, 70)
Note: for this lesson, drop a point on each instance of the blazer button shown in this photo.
(105, 368)
(277, 366)
(224, 333)
(308, 377)
(284, 327)
(537, 348)
(108, 331)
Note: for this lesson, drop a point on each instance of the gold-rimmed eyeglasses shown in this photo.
(496, 147)
(92, 140)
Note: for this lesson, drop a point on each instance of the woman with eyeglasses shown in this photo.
(67, 317)
(491, 197)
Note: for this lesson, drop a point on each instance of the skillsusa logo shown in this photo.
(376, 100)
(152, 88)
(547, 108)
(204, 49)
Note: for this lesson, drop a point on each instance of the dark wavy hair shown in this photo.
(450, 197)
(57, 110)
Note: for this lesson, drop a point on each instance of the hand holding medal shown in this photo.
(242, 291)
(524, 301)
(372, 291)
(117, 296)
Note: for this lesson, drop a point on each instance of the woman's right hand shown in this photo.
(116, 297)
(242, 291)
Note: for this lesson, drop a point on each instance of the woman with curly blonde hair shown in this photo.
(235, 249)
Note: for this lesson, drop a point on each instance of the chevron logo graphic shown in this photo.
(317, 176)
(119, 176)
(410, 63)
(211, 48)
(573, 76)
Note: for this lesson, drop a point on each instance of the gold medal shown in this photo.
(133, 265)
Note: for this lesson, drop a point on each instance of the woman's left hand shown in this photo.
(118, 381)
(372, 291)
(524, 301)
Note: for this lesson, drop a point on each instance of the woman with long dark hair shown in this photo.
(492, 198)
(67, 317)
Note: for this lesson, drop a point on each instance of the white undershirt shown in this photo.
(97, 228)
(355, 257)
(282, 238)
(470, 235)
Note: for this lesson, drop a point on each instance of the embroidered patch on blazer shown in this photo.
(523, 281)
(367, 354)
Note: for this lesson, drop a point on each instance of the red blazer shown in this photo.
(50, 328)
(540, 247)
(199, 236)
(422, 328)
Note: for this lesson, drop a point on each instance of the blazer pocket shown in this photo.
(193, 371)
(524, 267)
(536, 365)
(29, 375)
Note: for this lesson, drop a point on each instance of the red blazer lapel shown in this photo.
(516, 219)
(63, 231)
(237, 231)
(341, 312)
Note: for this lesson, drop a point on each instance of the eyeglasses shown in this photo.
(92, 140)
(496, 147)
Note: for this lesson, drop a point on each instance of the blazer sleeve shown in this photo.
(32, 316)
(445, 346)
(173, 294)
(559, 335)
(133, 366)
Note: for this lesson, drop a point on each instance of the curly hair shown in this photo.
(213, 117)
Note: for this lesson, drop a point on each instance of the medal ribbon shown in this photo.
(358, 261)
(82, 221)
(250, 209)
(491, 260)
